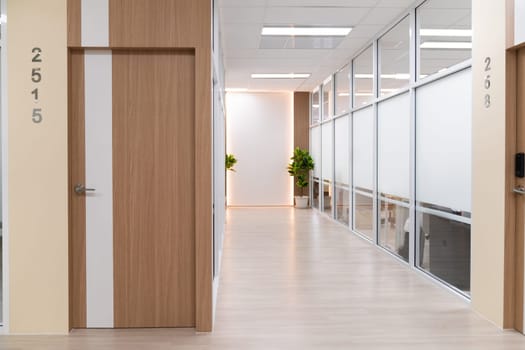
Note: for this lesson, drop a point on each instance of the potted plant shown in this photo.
(299, 168)
(230, 162)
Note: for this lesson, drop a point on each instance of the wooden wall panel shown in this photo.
(154, 184)
(203, 188)
(301, 107)
(160, 23)
(77, 204)
(74, 24)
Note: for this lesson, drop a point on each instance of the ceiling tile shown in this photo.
(382, 16)
(250, 15)
(326, 16)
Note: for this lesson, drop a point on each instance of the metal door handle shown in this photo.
(80, 189)
(519, 190)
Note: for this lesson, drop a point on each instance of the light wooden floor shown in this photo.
(292, 279)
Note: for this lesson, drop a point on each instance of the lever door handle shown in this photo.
(519, 190)
(81, 189)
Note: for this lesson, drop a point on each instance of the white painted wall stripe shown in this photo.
(519, 22)
(95, 23)
(99, 175)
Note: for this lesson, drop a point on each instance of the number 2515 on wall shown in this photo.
(36, 79)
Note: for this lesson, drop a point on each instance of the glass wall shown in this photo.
(342, 170)
(328, 100)
(315, 151)
(342, 91)
(394, 58)
(363, 171)
(399, 158)
(443, 178)
(445, 35)
(316, 108)
(393, 162)
(363, 78)
(327, 166)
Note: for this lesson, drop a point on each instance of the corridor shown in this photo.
(293, 279)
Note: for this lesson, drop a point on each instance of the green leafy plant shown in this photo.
(230, 162)
(300, 166)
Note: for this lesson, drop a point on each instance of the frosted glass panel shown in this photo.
(363, 141)
(341, 151)
(315, 149)
(394, 146)
(328, 142)
(443, 146)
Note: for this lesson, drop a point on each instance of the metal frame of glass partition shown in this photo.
(414, 83)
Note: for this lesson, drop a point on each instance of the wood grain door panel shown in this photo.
(154, 188)
(77, 204)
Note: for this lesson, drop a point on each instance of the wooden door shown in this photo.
(150, 145)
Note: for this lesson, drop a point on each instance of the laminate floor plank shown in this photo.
(293, 279)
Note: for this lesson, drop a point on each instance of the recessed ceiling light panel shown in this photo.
(449, 45)
(280, 75)
(446, 32)
(306, 31)
(236, 89)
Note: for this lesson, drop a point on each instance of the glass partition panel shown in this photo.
(342, 91)
(445, 34)
(342, 169)
(327, 166)
(315, 192)
(444, 249)
(363, 78)
(315, 151)
(394, 228)
(443, 142)
(394, 58)
(443, 178)
(328, 100)
(394, 174)
(316, 107)
(363, 171)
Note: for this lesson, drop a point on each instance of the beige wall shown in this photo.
(37, 169)
(488, 128)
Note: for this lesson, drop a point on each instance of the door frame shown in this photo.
(514, 241)
(4, 325)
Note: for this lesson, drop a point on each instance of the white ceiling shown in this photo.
(242, 22)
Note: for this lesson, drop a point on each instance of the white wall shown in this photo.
(260, 135)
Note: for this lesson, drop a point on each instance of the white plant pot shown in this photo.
(301, 202)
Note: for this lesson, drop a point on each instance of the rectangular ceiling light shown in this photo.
(450, 45)
(236, 89)
(280, 75)
(397, 76)
(306, 31)
(446, 32)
